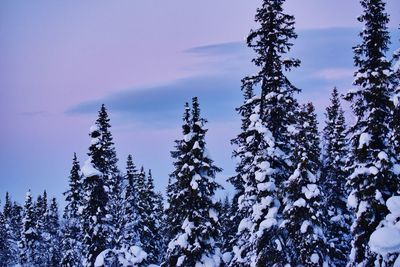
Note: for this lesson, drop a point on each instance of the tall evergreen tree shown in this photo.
(265, 144)
(13, 226)
(333, 180)
(130, 232)
(194, 188)
(95, 223)
(29, 236)
(395, 121)
(303, 211)
(72, 232)
(372, 179)
(5, 246)
(105, 160)
(43, 239)
(152, 221)
(173, 218)
(54, 235)
(7, 208)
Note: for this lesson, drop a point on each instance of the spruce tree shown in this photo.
(72, 233)
(41, 219)
(395, 121)
(333, 180)
(371, 178)
(303, 212)
(152, 221)
(29, 235)
(5, 246)
(266, 143)
(192, 198)
(130, 233)
(173, 217)
(7, 208)
(53, 231)
(104, 159)
(95, 224)
(13, 226)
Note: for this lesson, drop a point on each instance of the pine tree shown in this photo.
(54, 235)
(7, 208)
(152, 221)
(29, 236)
(173, 218)
(12, 229)
(395, 120)
(265, 144)
(333, 180)
(5, 246)
(95, 224)
(130, 232)
(72, 233)
(104, 159)
(228, 229)
(371, 179)
(303, 212)
(192, 198)
(41, 219)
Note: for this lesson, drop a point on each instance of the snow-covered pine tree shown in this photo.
(159, 217)
(395, 122)
(41, 219)
(95, 224)
(173, 218)
(72, 233)
(265, 144)
(105, 160)
(194, 188)
(130, 231)
(5, 246)
(333, 182)
(371, 179)
(12, 234)
(152, 221)
(7, 208)
(29, 234)
(303, 212)
(228, 228)
(54, 235)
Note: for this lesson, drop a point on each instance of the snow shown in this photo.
(314, 258)
(304, 226)
(396, 169)
(89, 170)
(132, 257)
(180, 260)
(365, 138)
(227, 257)
(196, 145)
(268, 186)
(300, 202)
(393, 205)
(310, 191)
(352, 200)
(213, 214)
(385, 240)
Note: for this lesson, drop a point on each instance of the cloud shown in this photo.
(327, 61)
(333, 74)
(163, 104)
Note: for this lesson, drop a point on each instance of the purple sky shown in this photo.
(61, 59)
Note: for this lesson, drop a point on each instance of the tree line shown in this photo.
(302, 198)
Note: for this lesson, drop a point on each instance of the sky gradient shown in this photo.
(60, 60)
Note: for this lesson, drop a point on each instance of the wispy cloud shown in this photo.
(334, 74)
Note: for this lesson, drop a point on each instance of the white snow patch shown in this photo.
(304, 226)
(89, 170)
(314, 258)
(365, 138)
